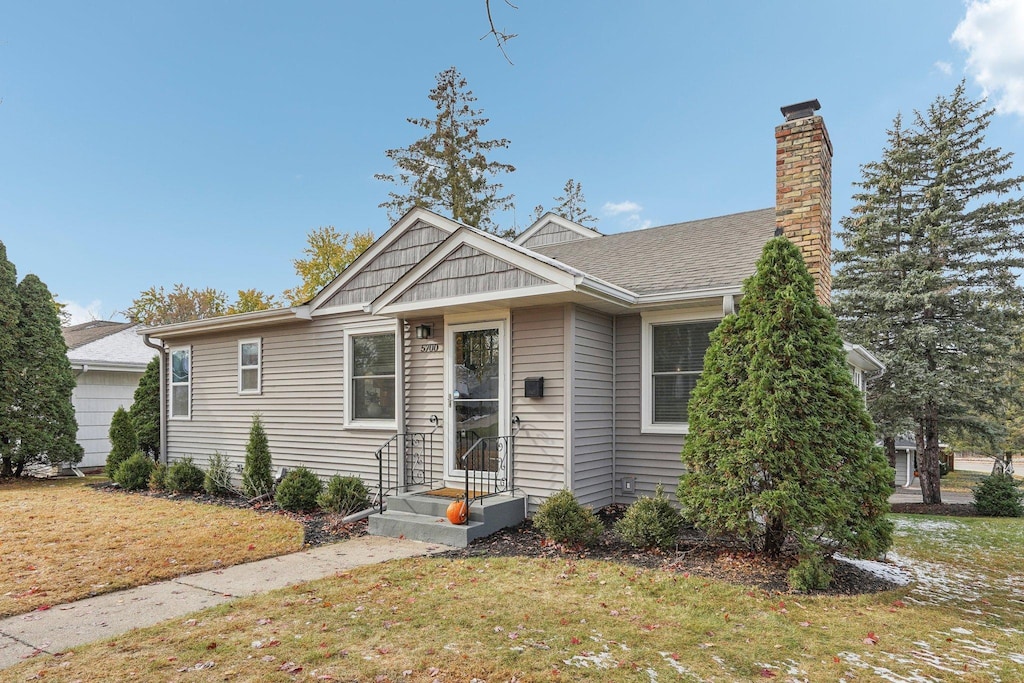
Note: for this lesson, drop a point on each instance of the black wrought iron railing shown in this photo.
(408, 460)
(489, 465)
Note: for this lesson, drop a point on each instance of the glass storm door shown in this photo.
(475, 401)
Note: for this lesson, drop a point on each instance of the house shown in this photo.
(447, 359)
(108, 359)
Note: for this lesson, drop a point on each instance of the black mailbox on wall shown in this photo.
(534, 387)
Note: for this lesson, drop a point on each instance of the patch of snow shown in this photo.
(962, 631)
(599, 660)
(882, 570)
(922, 524)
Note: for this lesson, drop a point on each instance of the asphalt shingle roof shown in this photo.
(703, 254)
(80, 335)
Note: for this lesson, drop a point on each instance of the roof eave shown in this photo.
(227, 323)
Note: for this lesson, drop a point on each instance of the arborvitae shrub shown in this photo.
(998, 495)
(123, 442)
(812, 573)
(133, 474)
(562, 519)
(298, 491)
(158, 477)
(257, 479)
(650, 522)
(218, 477)
(184, 477)
(344, 495)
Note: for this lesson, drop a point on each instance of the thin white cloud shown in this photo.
(991, 33)
(616, 208)
(83, 314)
(944, 67)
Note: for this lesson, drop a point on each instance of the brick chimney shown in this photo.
(803, 190)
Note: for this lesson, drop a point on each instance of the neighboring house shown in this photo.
(906, 462)
(108, 358)
(563, 359)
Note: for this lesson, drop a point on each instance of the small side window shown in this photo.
(181, 383)
(249, 366)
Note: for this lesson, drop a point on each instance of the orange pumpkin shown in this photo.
(458, 512)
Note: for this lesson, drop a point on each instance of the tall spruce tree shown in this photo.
(45, 423)
(448, 170)
(572, 205)
(10, 311)
(145, 410)
(780, 444)
(927, 276)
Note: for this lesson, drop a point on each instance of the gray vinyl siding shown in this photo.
(538, 350)
(301, 403)
(651, 458)
(552, 233)
(592, 407)
(96, 396)
(389, 265)
(904, 463)
(424, 386)
(469, 271)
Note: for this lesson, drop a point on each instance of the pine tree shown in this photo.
(927, 276)
(572, 205)
(10, 311)
(45, 418)
(145, 410)
(448, 170)
(123, 440)
(257, 479)
(780, 444)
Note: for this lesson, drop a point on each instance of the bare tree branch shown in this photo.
(500, 37)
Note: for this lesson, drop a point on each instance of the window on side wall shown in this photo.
(672, 361)
(371, 387)
(249, 366)
(181, 382)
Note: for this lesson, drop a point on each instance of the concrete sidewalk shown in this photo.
(914, 496)
(63, 627)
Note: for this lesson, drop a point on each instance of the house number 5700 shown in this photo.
(429, 348)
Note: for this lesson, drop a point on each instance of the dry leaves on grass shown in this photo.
(63, 541)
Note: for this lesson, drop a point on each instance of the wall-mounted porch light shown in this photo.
(425, 331)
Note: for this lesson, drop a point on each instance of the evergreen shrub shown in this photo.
(812, 573)
(998, 495)
(218, 477)
(158, 477)
(650, 522)
(344, 495)
(133, 474)
(562, 519)
(298, 491)
(123, 442)
(184, 477)
(257, 478)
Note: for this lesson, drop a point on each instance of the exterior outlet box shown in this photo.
(534, 387)
(629, 484)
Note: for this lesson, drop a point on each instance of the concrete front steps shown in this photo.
(420, 517)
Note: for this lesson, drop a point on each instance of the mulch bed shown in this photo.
(944, 509)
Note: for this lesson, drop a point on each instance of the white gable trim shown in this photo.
(411, 218)
(561, 279)
(560, 222)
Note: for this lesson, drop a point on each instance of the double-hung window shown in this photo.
(249, 360)
(371, 385)
(671, 363)
(181, 382)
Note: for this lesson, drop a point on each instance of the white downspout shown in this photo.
(163, 396)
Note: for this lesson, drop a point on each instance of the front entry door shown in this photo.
(477, 410)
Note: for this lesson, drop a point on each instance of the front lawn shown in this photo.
(61, 540)
(503, 619)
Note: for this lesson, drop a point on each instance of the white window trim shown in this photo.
(258, 341)
(171, 383)
(647, 323)
(358, 331)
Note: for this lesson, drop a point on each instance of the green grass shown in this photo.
(496, 619)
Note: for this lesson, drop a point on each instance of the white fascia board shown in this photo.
(227, 323)
(687, 295)
(550, 217)
(521, 258)
(868, 361)
(397, 309)
(107, 366)
(411, 218)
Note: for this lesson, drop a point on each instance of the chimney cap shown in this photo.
(800, 110)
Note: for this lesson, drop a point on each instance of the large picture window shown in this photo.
(673, 359)
(181, 382)
(249, 366)
(371, 383)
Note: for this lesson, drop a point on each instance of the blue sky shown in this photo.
(146, 143)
